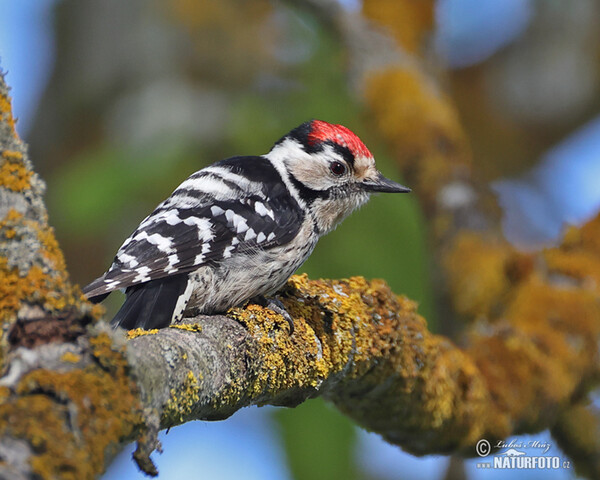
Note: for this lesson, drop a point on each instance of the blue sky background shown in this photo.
(565, 187)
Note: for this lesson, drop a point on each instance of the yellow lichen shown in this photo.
(181, 402)
(272, 335)
(546, 340)
(14, 175)
(9, 223)
(477, 274)
(579, 263)
(4, 394)
(534, 342)
(190, 327)
(376, 336)
(70, 357)
(590, 235)
(357, 324)
(35, 286)
(421, 125)
(139, 332)
(69, 442)
(50, 289)
(50, 248)
(408, 21)
(70, 418)
(6, 113)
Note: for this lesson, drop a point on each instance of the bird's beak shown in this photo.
(382, 184)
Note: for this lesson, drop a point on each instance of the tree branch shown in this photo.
(355, 342)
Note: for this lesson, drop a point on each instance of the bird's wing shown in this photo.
(197, 226)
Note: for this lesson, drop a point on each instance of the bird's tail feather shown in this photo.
(96, 291)
(150, 305)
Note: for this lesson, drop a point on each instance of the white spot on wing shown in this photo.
(240, 224)
(127, 241)
(237, 221)
(250, 234)
(270, 237)
(263, 211)
(172, 217)
(216, 210)
(162, 243)
(261, 237)
(127, 259)
(199, 259)
(142, 275)
(203, 225)
(173, 260)
(110, 284)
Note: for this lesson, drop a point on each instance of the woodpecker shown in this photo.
(237, 229)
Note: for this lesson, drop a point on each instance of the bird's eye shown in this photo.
(337, 168)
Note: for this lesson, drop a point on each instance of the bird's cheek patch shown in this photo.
(315, 176)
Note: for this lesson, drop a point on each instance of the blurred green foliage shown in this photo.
(113, 177)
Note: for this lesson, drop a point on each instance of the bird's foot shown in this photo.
(275, 305)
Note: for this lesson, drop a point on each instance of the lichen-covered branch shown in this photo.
(33, 281)
(67, 400)
(355, 342)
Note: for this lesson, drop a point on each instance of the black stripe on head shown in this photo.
(343, 151)
(306, 193)
(301, 135)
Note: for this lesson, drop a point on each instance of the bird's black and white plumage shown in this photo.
(240, 227)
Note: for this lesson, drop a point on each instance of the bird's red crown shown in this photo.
(322, 132)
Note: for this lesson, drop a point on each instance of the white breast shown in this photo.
(248, 274)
